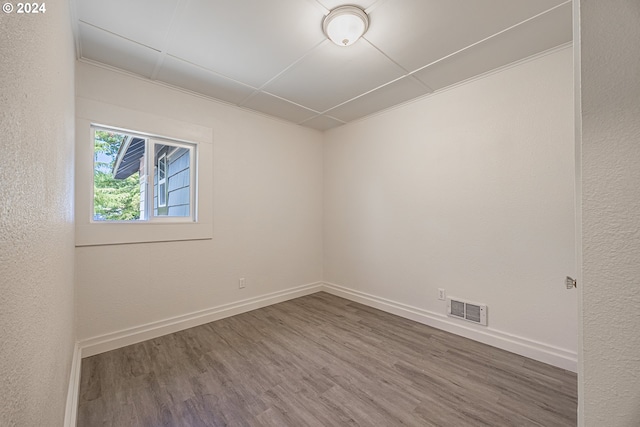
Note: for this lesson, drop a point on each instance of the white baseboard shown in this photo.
(551, 355)
(535, 350)
(71, 410)
(114, 340)
(532, 349)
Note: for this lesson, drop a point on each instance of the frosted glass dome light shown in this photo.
(344, 25)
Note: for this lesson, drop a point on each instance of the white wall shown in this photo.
(36, 216)
(267, 215)
(470, 190)
(610, 59)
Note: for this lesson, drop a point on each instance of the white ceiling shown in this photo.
(272, 56)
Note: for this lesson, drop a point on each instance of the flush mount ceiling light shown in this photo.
(344, 25)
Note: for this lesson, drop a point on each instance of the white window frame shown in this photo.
(150, 167)
(162, 160)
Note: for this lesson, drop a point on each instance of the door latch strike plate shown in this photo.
(570, 283)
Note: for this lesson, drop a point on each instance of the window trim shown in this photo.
(90, 112)
(150, 151)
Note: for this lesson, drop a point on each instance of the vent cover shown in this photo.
(471, 312)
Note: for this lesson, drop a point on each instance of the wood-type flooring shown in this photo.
(320, 360)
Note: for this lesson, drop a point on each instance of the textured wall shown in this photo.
(470, 190)
(610, 50)
(36, 216)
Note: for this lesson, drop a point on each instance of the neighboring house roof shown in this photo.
(128, 158)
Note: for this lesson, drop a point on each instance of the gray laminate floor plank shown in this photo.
(320, 360)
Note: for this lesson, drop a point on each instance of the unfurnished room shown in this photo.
(320, 213)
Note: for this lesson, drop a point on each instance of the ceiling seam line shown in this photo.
(163, 52)
(159, 63)
(213, 72)
(180, 89)
(488, 38)
(322, 115)
(290, 102)
(363, 94)
(249, 97)
(320, 6)
(157, 82)
(407, 72)
(374, 6)
(293, 64)
(118, 35)
(471, 79)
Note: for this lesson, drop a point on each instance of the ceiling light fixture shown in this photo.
(344, 25)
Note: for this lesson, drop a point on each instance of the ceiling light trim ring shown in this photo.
(344, 25)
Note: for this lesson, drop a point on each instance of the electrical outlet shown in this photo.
(241, 283)
(442, 295)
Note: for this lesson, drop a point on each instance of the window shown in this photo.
(117, 149)
(122, 187)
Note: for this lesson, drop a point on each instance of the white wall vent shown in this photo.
(469, 311)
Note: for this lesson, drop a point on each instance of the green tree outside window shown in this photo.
(114, 199)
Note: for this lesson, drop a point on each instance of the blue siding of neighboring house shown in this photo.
(178, 184)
